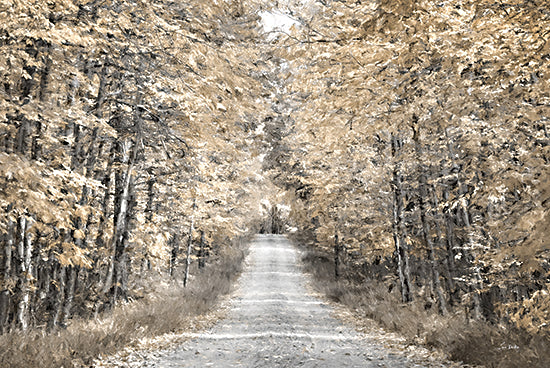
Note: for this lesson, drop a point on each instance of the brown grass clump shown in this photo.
(170, 308)
(475, 343)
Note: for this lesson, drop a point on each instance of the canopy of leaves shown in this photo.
(121, 122)
(464, 86)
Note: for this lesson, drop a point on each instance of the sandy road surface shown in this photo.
(274, 322)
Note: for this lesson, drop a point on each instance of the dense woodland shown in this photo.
(409, 138)
(419, 149)
(127, 145)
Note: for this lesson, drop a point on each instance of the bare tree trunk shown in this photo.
(101, 90)
(434, 265)
(478, 285)
(21, 138)
(123, 203)
(189, 247)
(73, 87)
(60, 295)
(120, 243)
(149, 216)
(439, 236)
(24, 249)
(77, 146)
(407, 269)
(122, 195)
(174, 249)
(69, 295)
(401, 248)
(27, 84)
(7, 277)
(44, 76)
(150, 198)
(336, 256)
(202, 253)
(450, 246)
(426, 228)
(398, 247)
(46, 271)
(92, 153)
(105, 280)
(36, 148)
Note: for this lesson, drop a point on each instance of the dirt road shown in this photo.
(274, 322)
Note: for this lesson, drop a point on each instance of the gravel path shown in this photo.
(274, 322)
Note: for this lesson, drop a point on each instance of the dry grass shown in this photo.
(169, 309)
(474, 343)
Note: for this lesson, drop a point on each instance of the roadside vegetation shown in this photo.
(475, 343)
(158, 307)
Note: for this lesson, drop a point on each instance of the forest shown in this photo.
(421, 142)
(405, 141)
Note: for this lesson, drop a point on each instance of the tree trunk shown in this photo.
(21, 138)
(426, 228)
(27, 84)
(449, 229)
(77, 146)
(478, 284)
(202, 255)
(73, 87)
(439, 236)
(24, 249)
(60, 295)
(92, 153)
(433, 263)
(174, 249)
(149, 210)
(401, 248)
(101, 91)
(105, 280)
(36, 148)
(462, 209)
(150, 198)
(44, 76)
(336, 256)
(7, 277)
(189, 247)
(120, 241)
(123, 204)
(123, 182)
(69, 295)
(46, 271)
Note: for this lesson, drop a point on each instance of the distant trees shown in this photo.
(274, 221)
(420, 141)
(114, 118)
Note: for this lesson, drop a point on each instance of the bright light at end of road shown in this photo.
(275, 21)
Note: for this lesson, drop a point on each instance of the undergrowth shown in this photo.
(168, 308)
(471, 342)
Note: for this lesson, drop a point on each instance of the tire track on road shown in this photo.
(274, 322)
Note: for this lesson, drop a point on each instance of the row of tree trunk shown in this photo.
(440, 250)
(51, 270)
(436, 246)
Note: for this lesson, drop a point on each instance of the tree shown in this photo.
(110, 112)
(418, 134)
